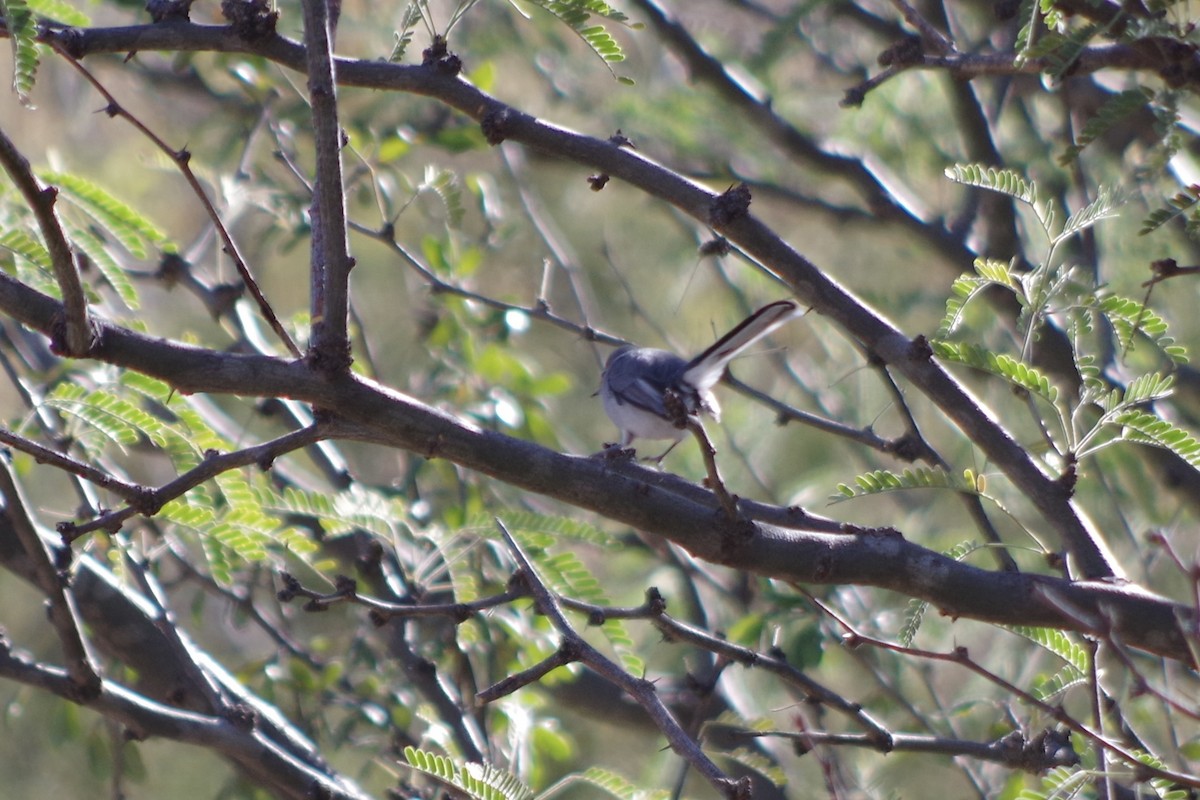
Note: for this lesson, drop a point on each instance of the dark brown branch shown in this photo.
(150, 501)
(181, 159)
(44, 455)
(381, 610)
(122, 628)
(575, 648)
(77, 337)
(64, 613)
(241, 743)
(1045, 751)
(331, 260)
(962, 657)
(632, 494)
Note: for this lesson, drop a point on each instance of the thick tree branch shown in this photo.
(810, 284)
(634, 495)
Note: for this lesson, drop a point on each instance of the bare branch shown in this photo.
(77, 335)
(52, 580)
(331, 261)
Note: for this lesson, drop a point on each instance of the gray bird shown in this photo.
(636, 379)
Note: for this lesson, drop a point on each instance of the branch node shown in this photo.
(730, 206)
(440, 59)
(251, 20)
(907, 52)
(495, 125)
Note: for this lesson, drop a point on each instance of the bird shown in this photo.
(638, 383)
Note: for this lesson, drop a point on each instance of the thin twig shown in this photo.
(150, 501)
(181, 159)
(575, 648)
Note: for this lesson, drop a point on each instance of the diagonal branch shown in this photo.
(639, 497)
(64, 612)
(77, 333)
(575, 648)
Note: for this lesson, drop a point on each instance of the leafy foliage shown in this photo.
(476, 781)
(1149, 429)
(1006, 367)
(1182, 203)
(1004, 181)
(576, 15)
(1129, 317)
(1116, 109)
(882, 481)
(494, 342)
(134, 231)
(22, 30)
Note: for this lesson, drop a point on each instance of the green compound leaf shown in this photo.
(883, 481)
(476, 781)
(1180, 204)
(22, 30)
(1116, 109)
(1132, 317)
(1010, 369)
(1004, 181)
(576, 14)
(113, 417)
(135, 232)
(1149, 429)
(22, 244)
(988, 272)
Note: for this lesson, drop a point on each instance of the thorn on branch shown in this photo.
(920, 349)
(598, 181)
(730, 206)
(242, 716)
(291, 588)
(1070, 475)
(853, 97)
(69, 532)
(621, 140)
(1165, 268)
(656, 604)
